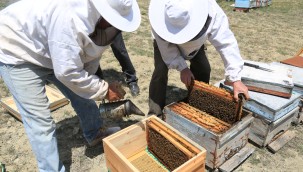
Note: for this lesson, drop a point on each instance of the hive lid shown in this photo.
(297, 60)
(274, 103)
(296, 72)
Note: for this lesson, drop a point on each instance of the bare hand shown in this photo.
(239, 87)
(115, 92)
(186, 77)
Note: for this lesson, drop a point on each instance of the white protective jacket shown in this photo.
(54, 34)
(218, 34)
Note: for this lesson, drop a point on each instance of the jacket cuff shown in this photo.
(101, 94)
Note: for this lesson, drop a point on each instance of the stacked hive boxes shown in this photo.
(298, 83)
(273, 115)
(251, 3)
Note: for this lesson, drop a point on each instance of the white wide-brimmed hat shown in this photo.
(122, 14)
(178, 21)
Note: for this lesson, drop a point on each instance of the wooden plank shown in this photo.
(196, 164)
(278, 143)
(10, 106)
(56, 100)
(237, 159)
(117, 161)
(129, 141)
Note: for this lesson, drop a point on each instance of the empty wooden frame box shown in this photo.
(152, 145)
(55, 97)
(224, 137)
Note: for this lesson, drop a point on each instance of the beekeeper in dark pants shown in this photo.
(180, 29)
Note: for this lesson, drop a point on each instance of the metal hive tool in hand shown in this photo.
(215, 101)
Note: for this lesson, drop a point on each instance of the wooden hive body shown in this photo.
(264, 132)
(220, 146)
(221, 137)
(125, 151)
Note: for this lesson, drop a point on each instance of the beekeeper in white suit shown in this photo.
(61, 41)
(180, 28)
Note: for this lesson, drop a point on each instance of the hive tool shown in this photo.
(257, 67)
(119, 109)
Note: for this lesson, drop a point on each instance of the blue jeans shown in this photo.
(26, 83)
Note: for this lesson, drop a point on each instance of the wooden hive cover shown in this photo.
(296, 75)
(278, 81)
(56, 100)
(297, 60)
(215, 101)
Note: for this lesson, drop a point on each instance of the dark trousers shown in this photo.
(199, 66)
(120, 52)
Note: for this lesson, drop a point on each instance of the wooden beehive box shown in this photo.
(129, 150)
(271, 107)
(56, 100)
(210, 117)
(273, 117)
(221, 144)
(265, 132)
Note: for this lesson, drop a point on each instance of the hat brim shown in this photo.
(198, 15)
(127, 23)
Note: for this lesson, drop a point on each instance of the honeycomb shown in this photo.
(171, 150)
(199, 117)
(215, 101)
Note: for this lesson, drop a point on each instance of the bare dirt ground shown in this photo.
(266, 34)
